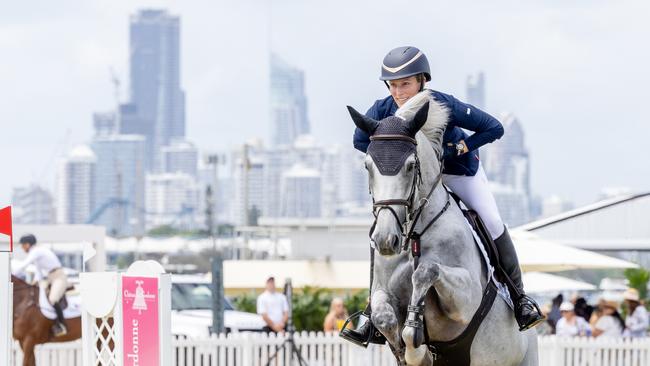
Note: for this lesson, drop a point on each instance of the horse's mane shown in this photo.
(437, 117)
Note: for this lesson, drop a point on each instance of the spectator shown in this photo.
(571, 325)
(336, 317)
(273, 308)
(554, 315)
(582, 309)
(609, 322)
(636, 323)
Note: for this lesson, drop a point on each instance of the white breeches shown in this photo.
(476, 195)
(58, 284)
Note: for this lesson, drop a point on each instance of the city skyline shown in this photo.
(541, 85)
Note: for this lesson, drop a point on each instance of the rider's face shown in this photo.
(25, 247)
(403, 89)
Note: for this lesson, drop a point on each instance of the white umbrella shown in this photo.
(538, 282)
(537, 254)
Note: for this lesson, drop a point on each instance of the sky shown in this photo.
(575, 73)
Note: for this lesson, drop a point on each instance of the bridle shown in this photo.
(407, 227)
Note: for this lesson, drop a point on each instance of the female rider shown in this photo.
(405, 71)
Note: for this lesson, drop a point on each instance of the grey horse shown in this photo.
(451, 274)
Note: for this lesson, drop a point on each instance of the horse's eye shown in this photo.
(410, 165)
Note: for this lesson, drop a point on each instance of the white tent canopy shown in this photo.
(537, 282)
(252, 274)
(537, 254)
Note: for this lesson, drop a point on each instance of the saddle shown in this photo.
(456, 352)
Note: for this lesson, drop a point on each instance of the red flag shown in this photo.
(5, 225)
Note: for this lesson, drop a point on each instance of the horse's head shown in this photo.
(394, 171)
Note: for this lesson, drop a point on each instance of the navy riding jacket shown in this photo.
(461, 115)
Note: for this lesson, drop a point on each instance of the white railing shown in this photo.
(583, 351)
(255, 349)
(318, 349)
(51, 354)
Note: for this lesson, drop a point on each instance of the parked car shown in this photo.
(192, 309)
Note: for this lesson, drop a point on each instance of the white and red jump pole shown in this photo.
(6, 288)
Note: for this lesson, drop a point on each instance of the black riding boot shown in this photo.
(527, 312)
(366, 333)
(59, 329)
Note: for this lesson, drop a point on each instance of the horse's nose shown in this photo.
(389, 245)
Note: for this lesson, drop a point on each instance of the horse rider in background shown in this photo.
(405, 71)
(49, 267)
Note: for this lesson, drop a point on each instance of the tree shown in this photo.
(638, 278)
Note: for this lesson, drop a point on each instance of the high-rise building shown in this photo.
(104, 123)
(120, 184)
(507, 166)
(180, 157)
(172, 199)
(76, 186)
(301, 192)
(32, 205)
(475, 89)
(288, 103)
(250, 192)
(506, 161)
(157, 102)
(354, 194)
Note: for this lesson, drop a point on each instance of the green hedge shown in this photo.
(310, 305)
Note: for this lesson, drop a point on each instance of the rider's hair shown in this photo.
(28, 239)
(421, 79)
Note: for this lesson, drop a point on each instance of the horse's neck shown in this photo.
(431, 170)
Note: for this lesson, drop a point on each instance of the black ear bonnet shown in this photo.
(389, 155)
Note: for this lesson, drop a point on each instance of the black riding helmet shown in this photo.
(403, 62)
(28, 239)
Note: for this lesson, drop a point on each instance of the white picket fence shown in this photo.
(583, 351)
(51, 354)
(318, 349)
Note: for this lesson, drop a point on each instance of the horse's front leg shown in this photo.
(27, 346)
(384, 319)
(457, 294)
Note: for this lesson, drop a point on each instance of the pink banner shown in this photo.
(140, 321)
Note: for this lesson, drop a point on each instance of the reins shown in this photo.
(407, 228)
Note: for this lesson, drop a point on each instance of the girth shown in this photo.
(456, 352)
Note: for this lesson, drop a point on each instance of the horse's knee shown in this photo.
(426, 274)
(385, 322)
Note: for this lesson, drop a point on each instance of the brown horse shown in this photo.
(31, 327)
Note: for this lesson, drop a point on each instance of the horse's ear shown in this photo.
(419, 119)
(367, 124)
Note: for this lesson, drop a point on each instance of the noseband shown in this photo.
(412, 215)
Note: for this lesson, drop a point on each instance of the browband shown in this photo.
(393, 137)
